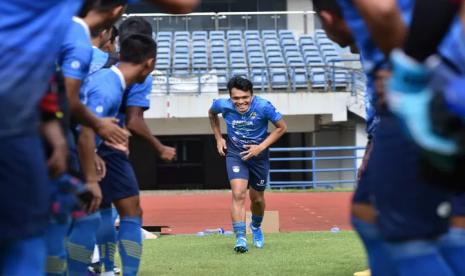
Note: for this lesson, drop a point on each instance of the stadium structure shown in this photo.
(280, 46)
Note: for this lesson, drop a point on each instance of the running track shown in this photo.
(187, 213)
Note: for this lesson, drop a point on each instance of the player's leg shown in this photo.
(24, 205)
(258, 175)
(81, 243)
(129, 234)
(364, 223)
(56, 249)
(452, 244)
(412, 213)
(238, 175)
(23, 257)
(106, 239)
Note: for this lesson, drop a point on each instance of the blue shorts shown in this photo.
(409, 206)
(255, 170)
(120, 181)
(363, 193)
(24, 195)
(458, 205)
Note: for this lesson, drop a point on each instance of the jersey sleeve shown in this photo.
(271, 113)
(76, 62)
(95, 101)
(139, 94)
(217, 106)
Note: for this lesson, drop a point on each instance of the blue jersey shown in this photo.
(453, 46)
(31, 33)
(136, 95)
(105, 92)
(76, 51)
(99, 59)
(249, 128)
(371, 56)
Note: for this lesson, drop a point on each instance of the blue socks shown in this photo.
(106, 239)
(239, 228)
(256, 221)
(452, 246)
(23, 257)
(81, 244)
(130, 244)
(56, 250)
(379, 259)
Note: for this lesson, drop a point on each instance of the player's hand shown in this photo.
(252, 151)
(96, 192)
(381, 78)
(167, 153)
(221, 146)
(110, 131)
(177, 6)
(100, 167)
(57, 162)
(124, 147)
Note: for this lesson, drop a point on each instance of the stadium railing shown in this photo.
(318, 167)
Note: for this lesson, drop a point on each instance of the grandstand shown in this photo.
(317, 85)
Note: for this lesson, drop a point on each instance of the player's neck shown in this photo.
(129, 72)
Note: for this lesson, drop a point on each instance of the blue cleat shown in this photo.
(241, 245)
(257, 236)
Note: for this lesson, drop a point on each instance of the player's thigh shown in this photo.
(259, 169)
(129, 206)
(120, 181)
(238, 175)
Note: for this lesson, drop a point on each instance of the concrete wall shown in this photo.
(296, 22)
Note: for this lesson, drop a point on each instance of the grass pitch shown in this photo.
(304, 253)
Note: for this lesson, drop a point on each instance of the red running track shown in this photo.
(189, 213)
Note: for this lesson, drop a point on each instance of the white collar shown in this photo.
(120, 75)
(83, 24)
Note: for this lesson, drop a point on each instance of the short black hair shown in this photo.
(99, 5)
(114, 34)
(135, 25)
(137, 48)
(327, 5)
(240, 83)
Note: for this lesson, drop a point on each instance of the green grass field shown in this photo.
(305, 253)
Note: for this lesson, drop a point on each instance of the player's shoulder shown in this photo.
(260, 102)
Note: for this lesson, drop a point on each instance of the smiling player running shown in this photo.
(246, 151)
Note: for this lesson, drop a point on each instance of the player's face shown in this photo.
(241, 99)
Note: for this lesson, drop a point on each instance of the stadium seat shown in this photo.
(217, 35)
(234, 34)
(318, 78)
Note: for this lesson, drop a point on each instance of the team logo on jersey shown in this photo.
(75, 64)
(253, 115)
(99, 109)
(444, 209)
(236, 169)
(261, 183)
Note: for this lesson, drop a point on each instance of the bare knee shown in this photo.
(364, 211)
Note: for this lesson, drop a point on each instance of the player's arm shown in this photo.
(53, 134)
(254, 150)
(107, 128)
(86, 148)
(215, 125)
(384, 21)
(135, 123)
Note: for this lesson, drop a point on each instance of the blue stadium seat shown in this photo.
(254, 49)
(253, 43)
(202, 34)
(251, 33)
(279, 78)
(271, 42)
(217, 42)
(161, 50)
(318, 78)
(199, 44)
(234, 34)
(291, 49)
(217, 35)
(259, 77)
(256, 55)
(274, 54)
(298, 77)
(269, 32)
(288, 42)
(181, 34)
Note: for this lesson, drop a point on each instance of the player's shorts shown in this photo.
(120, 181)
(458, 205)
(255, 170)
(409, 206)
(24, 195)
(362, 193)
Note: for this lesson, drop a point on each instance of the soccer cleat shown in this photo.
(363, 273)
(257, 236)
(241, 245)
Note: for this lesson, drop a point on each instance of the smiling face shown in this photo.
(241, 99)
